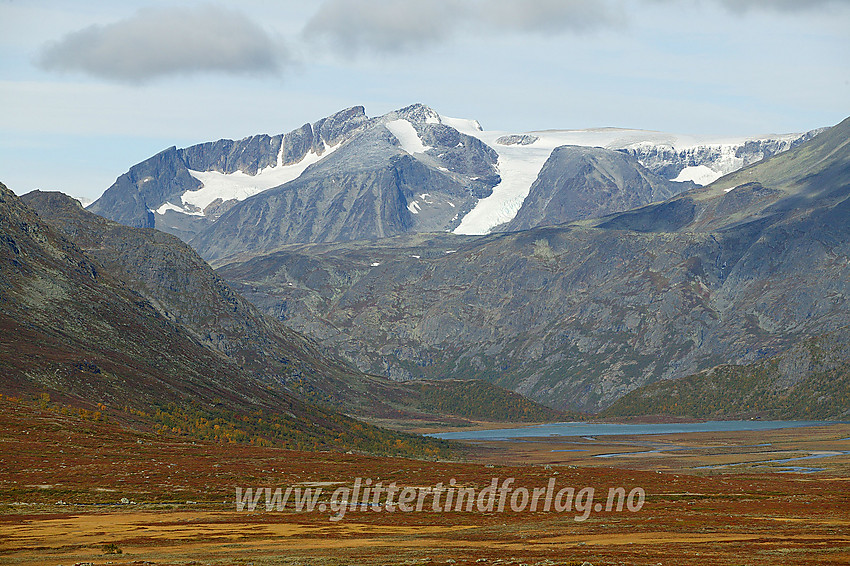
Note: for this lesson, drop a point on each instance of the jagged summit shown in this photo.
(416, 113)
(349, 176)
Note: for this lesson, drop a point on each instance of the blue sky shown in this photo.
(89, 88)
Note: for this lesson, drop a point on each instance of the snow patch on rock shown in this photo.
(239, 185)
(701, 175)
(407, 136)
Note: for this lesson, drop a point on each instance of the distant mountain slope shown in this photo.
(185, 290)
(812, 176)
(705, 160)
(577, 183)
(577, 316)
(674, 157)
(404, 172)
(809, 380)
(165, 191)
(349, 177)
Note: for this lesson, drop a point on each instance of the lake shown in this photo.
(608, 429)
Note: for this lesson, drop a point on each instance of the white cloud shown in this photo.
(163, 41)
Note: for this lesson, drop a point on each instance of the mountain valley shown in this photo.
(576, 316)
(134, 326)
(571, 266)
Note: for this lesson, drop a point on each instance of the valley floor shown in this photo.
(63, 480)
(816, 450)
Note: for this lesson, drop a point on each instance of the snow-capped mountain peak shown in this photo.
(485, 175)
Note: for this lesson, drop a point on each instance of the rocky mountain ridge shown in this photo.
(404, 172)
(183, 289)
(73, 333)
(578, 315)
(349, 177)
(151, 194)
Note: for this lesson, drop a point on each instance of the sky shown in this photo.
(88, 88)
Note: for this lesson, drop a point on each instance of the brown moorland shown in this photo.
(78, 490)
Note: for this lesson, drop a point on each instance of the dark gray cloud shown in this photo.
(167, 41)
(351, 26)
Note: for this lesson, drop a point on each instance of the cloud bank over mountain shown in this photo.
(210, 38)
